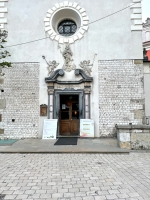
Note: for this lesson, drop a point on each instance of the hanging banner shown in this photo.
(86, 128)
(50, 129)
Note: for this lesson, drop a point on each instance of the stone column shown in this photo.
(50, 90)
(87, 92)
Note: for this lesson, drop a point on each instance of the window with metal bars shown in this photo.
(67, 27)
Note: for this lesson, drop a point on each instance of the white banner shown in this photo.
(86, 128)
(50, 129)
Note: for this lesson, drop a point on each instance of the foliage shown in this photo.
(3, 53)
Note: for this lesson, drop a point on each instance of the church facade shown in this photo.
(71, 61)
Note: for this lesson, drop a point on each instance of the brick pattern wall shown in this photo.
(21, 91)
(121, 99)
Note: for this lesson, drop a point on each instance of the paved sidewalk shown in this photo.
(75, 176)
(102, 145)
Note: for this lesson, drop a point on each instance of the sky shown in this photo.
(146, 9)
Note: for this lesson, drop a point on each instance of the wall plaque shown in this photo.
(50, 129)
(86, 128)
(43, 110)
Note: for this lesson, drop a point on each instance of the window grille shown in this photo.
(67, 27)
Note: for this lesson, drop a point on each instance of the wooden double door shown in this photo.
(69, 115)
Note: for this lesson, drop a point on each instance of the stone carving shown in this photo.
(86, 66)
(87, 90)
(50, 91)
(51, 65)
(54, 76)
(60, 72)
(85, 77)
(68, 61)
(74, 87)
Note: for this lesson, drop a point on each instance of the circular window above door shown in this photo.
(66, 22)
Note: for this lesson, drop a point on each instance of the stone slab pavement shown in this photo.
(75, 176)
(103, 145)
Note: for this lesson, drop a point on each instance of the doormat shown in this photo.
(67, 141)
(7, 142)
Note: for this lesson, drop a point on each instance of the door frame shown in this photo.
(56, 103)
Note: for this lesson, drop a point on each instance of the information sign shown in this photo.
(86, 128)
(50, 129)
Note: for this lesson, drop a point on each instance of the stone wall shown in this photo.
(121, 99)
(133, 136)
(20, 90)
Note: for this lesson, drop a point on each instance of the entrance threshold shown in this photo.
(66, 136)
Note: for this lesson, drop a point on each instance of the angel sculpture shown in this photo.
(86, 66)
(51, 65)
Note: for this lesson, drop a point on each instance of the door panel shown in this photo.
(69, 115)
(65, 127)
(75, 127)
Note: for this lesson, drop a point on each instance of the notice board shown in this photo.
(50, 129)
(86, 128)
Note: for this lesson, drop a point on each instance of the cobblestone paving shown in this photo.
(75, 176)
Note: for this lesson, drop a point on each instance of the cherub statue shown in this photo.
(51, 65)
(86, 66)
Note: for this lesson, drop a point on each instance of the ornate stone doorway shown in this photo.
(69, 109)
(59, 92)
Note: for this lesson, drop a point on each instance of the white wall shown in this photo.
(110, 38)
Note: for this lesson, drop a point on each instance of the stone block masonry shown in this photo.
(121, 94)
(133, 136)
(20, 118)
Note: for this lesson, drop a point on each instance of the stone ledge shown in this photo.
(133, 136)
(147, 127)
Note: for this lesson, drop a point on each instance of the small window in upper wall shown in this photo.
(67, 27)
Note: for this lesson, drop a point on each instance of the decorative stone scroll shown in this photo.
(60, 72)
(53, 77)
